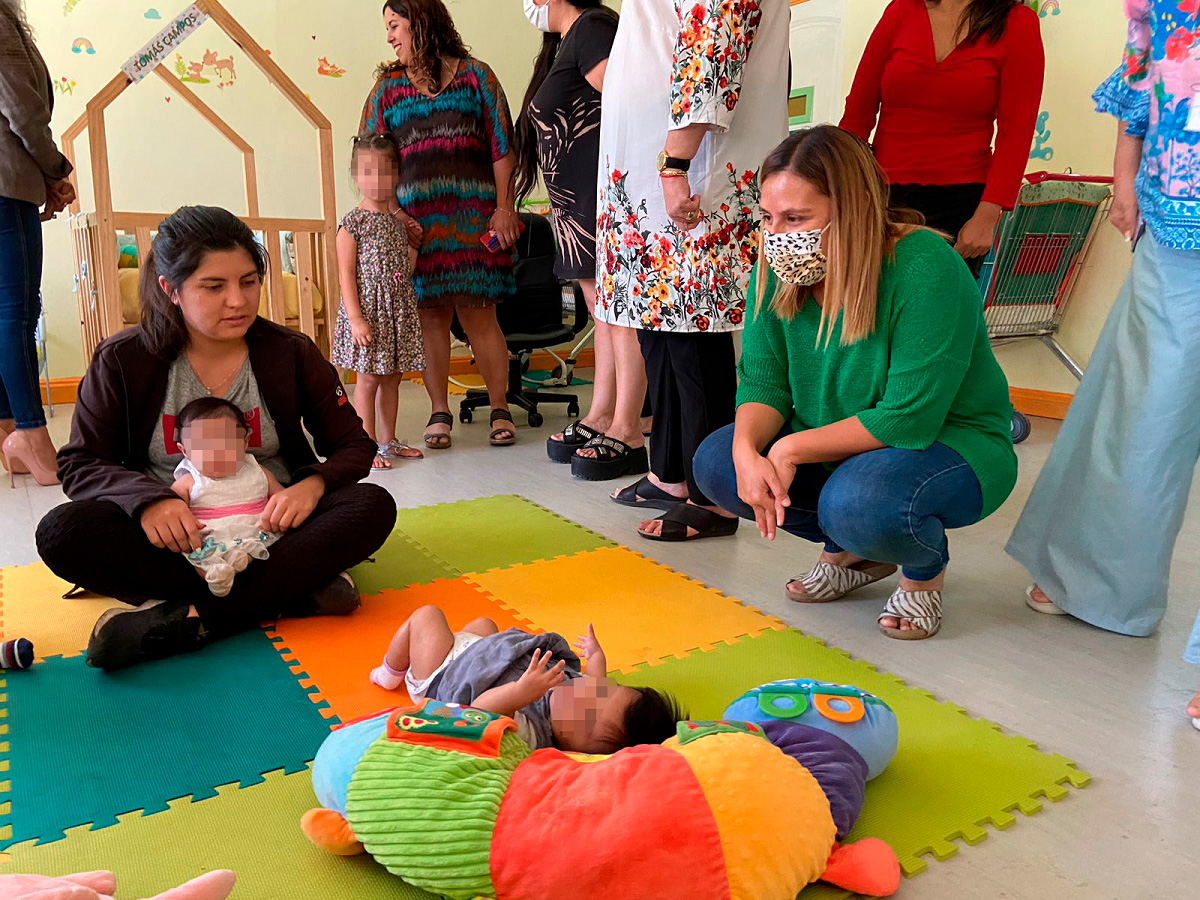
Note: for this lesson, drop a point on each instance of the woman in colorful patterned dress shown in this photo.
(450, 118)
(1128, 449)
(678, 227)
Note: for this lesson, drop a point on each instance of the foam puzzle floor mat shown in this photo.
(198, 762)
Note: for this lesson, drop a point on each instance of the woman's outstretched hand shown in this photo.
(292, 506)
(170, 525)
(760, 488)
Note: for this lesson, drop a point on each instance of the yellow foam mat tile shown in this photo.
(643, 612)
(32, 606)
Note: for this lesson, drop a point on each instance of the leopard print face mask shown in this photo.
(796, 257)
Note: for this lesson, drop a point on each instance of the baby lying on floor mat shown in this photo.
(536, 679)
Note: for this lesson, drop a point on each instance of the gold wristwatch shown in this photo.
(672, 167)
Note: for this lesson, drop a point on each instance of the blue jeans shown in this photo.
(890, 506)
(20, 307)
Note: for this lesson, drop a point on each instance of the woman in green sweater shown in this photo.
(872, 415)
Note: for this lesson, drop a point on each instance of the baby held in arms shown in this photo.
(536, 679)
(226, 489)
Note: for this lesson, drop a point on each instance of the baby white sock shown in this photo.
(386, 677)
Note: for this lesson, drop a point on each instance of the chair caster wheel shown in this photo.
(535, 420)
(573, 410)
(465, 416)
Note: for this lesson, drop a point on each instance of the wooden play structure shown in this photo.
(305, 299)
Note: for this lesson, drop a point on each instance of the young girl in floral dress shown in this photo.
(378, 334)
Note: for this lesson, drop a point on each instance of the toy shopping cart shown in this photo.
(1041, 245)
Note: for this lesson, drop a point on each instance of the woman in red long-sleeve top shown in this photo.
(942, 77)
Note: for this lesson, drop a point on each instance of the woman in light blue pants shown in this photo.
(1129, 446)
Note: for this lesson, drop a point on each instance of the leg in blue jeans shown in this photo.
(888, 506)
(20, 306)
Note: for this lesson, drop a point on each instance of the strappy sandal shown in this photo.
(613, 459)
(435, 440)
(922, 609)
(398, 449)
(645, 492)
(826, 582)
(385, 458)
(502, 415)
(677, 520)
(574, 436)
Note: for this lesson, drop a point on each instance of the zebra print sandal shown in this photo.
(826, 582)
(921, 609)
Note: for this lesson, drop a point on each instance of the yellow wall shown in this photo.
(164, 155)
(1083, 46)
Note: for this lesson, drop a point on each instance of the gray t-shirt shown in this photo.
(182, 388)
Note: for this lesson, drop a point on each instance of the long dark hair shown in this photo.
(183, 240)
(434, 35)
(525, 140)
(985, 18)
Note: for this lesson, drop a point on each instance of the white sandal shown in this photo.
(826, 582)
(1049, 608)
(922, 609)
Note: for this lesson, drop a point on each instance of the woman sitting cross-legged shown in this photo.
(127, 535)
(872, 415)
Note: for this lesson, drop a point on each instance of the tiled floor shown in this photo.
(1113, 704)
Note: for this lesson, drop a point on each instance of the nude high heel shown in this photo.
(17, 451)
(16, 468)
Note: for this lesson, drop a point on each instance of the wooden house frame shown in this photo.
(95, 234)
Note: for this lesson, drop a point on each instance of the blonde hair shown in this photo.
(863, 228)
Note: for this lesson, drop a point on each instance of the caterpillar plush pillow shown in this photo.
(451, 800)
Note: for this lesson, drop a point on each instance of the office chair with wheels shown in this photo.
(532, 319)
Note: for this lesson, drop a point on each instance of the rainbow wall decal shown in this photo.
(1047, 8)
(83, 45)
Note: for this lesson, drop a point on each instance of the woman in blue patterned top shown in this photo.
(1129, 447)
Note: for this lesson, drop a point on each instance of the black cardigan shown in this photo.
(120, 405)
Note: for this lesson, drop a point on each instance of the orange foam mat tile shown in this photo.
(32, 606)
(643, 612)
(335, 654)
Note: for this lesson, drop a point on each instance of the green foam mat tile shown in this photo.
(87, 746)
(399, 563)
(495, 532)
(255, 832)
(952, 775)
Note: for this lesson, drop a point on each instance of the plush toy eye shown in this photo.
(783, 705)
(837, 708)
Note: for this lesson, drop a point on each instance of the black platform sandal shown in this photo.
(677, 520)
(646, 493)
(510, 428)
(435, 441)
(613, 459)
(574, 436)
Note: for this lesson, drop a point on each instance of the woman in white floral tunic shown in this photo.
(695, 98)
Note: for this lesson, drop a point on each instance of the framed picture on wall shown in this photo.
(800, 107)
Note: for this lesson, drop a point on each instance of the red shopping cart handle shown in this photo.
(1039, 177)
